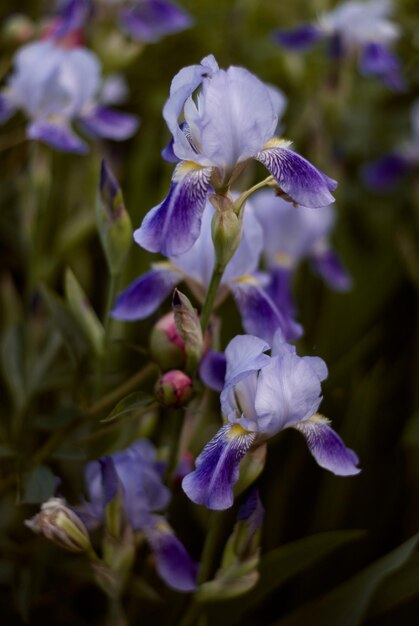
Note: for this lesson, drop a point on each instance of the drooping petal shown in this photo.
(385, 172)
(58, 136)
(212, 369)
(173, 226)
(298, 178)
(328, 265)
(244, 354)
(260, 315)
(110, 480)
(299, 39)
(173, 562)
(183, 85)
(110, 124)
(144, 295)
(378, 60)
(217, 468)
(288, 392)
(150, 20)
(72, 16)
(327, 447)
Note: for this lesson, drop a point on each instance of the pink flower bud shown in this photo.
(174, 389)
(166, 346)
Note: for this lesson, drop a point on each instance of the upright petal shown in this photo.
(110, 124)
(327, 447)
(173, 562)
(299, 39)
(288, 392)
(150, 20)
(260, 315)
(173, 226)
(217, 468)
(244, 354)
(57, 135)
(298, 178)
(144, 295)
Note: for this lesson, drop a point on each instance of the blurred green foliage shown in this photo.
(368, 337)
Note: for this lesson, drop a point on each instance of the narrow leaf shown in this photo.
(84, 313)
(130, 404)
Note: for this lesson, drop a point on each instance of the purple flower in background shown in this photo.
(262, 396)
(292, 234)
(136, 475)
(260, 316)
(56, 87)
(143, 20)
(353, 27)
(232, 118)
(390, 169)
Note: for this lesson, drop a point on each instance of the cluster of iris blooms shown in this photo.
(219, 241)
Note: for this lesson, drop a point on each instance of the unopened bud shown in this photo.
(189, 328)
(113, 221)
(226, 229)
(166, 345)
(60, 524)
(174, 389)
(17, 30)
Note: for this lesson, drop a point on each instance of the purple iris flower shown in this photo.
(55, 87)
(262, 396)
(260, 315)
(231, 120)
(143, 20)
(354, 27)
(136, 475)
(390, 168)
(292, 234)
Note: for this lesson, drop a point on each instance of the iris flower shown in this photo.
(55, 87)
(260, 316)
(354, 27)
(136, 474)
(262, 396)
(219, 120)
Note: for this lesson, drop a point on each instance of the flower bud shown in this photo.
(60, 524)
(113, 221)
(17, 29)
(226, 229)
(166, 346)
(174, 389)
(189, 328)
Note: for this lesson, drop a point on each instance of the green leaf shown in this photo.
(398, 588)
(130, 404)
(231, 582)
(37, 485)
(84, 313)
(12, 361)
(279, 565)
(347, 604)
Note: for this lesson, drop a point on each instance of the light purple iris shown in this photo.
(262, 396)
(56, 87)
(354, 27)
(390, 169)
(136, 475)
(260, 316)
(231, 119)
(143, 20)
(292, 234)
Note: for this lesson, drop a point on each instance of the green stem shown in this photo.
(266, 182)
(108, 321)
(215, 527)
(216, 277)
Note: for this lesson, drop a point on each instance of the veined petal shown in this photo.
(244, 355)
(378, 60)
(260, 315)
(144, 295)
(173, 562)
(110, 124)
(327, 447)
(386, 171)
(330, 268)
(212, 369)
(217, 468)
(298, 178)
(150, 20)
(57, 135)
(299, 39)
(173, 226)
